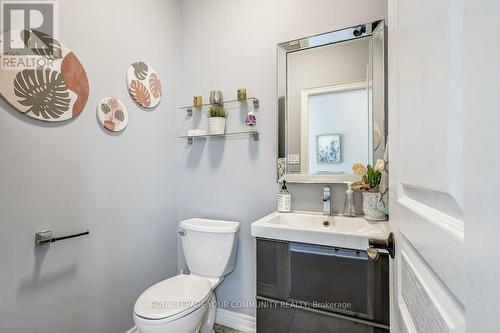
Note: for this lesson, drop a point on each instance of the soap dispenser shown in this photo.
(284, 200)
(349, 207)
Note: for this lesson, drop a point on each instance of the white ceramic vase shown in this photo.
(217, 125)
(370, 201)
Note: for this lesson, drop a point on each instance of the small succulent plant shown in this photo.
(217, 111)
(372, 177)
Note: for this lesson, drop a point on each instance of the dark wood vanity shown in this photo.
(318, 289)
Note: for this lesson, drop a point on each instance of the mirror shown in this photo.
(331, 104)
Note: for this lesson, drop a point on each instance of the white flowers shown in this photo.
(380, 165)
(359, 169)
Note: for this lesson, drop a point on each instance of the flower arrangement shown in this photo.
(370, 176)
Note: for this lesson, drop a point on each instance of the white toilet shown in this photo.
(186, 303)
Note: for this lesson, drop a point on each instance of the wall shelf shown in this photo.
(190, 138)
(189, 109)
(319, 178)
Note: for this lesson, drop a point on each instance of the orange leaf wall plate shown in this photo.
(144, 85)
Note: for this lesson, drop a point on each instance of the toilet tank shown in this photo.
(209, 246)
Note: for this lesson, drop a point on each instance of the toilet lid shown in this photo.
(181, 293)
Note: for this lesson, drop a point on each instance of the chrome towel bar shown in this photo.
(45, 237)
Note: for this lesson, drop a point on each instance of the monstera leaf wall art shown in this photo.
(112, 114)
(56, 90)
(144, 85)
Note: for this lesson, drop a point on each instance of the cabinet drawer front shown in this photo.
(336, 280)
(277, 317)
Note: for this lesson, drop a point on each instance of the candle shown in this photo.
(242, 94)
(197, 101)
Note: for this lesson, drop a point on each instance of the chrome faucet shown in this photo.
(327, 210)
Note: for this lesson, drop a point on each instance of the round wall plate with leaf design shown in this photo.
(44, 80)
(144, 85)
(112, 114)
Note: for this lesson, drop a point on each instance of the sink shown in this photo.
(314, 228)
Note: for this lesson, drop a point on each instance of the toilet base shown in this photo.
(208, 323)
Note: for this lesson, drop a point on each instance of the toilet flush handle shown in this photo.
(182, 232)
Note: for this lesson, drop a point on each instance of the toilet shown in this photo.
(186, 303)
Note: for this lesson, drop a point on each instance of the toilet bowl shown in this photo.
(186, 303)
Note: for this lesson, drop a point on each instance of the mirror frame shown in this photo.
(283, 49)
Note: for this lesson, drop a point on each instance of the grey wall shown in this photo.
(227, 44)
(126, 188)
(75, 176)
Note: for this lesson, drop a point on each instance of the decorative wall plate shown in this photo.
(144, 85)
(112, 114)
(45, 80)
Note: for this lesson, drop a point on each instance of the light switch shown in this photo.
(293, 159)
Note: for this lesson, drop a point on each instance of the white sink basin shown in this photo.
(304, 227)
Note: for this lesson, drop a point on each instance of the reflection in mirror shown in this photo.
(334, 128)
(331, 106)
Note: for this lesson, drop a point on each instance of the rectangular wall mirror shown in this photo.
(331, 104)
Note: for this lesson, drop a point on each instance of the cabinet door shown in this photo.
(329, 279)
(340, 280)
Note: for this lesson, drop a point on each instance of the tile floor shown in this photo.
(223, 329)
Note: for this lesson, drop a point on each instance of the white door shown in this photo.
(444, 114)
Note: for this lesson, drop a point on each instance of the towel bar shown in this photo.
(45, 237)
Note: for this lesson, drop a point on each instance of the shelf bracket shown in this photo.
(190, 141)
(189, 111)
(255, 136)
(256, 103)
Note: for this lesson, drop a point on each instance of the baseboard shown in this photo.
(133, 330)
(236, 320)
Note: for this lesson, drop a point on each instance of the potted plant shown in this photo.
(369, 185)
(217, 120)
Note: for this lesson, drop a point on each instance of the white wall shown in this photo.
(75, 176)
(227, 44)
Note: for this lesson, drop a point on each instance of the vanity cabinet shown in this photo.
(319, 289)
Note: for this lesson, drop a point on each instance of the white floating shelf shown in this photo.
(190, 138)
(319, 178)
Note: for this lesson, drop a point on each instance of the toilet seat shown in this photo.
(173, 298)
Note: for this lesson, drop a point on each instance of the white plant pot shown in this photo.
(370, 201)
(217, 125)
